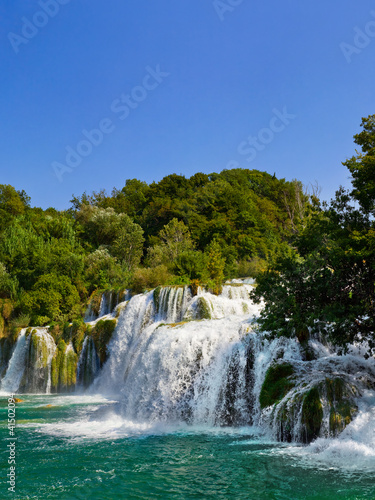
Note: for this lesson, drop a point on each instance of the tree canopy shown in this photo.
(203, 228)
(327, 282)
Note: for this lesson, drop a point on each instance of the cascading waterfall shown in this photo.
(108, 302)
(166, 367)
(175, 357)
(172, 304)
(166, 364)
(17, 363)
(29, 368)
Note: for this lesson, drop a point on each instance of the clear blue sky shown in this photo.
(229, 68)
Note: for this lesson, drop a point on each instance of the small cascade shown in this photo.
(302, 393)
(17, 363)
(88, 364)
(90, 314)
(172, 303)
(104, 303)
(133, 319)
(233, 301)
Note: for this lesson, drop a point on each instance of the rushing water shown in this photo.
(175, 412)
(81, 448)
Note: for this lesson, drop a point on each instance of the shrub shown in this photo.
(150, 277)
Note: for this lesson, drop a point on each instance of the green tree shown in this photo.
(328, 283)
(215, 266)
(52, 297)
(173, 240)
(128, 245)
(362, 166)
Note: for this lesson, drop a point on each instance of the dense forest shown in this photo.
(177, 231)
(314, 262)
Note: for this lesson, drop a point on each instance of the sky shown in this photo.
(95, 92)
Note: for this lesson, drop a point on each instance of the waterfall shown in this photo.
(199, 359)
(88, 364)
(17, 363)
(167, 367)
(108, 302)
(172, 303)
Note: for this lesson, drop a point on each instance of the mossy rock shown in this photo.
(37, 368)
(29, 331)
(300, 416)
(71, 360)
(203, 308)
(38, 351)
(95, 300)
(56, 364)
(102, 334)
(78, 333)
(335, 389)
(56, 331)
(343, 408)
(64, 368)
(312, 415)
(276, 384)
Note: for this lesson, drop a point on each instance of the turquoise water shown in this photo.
(81, 448)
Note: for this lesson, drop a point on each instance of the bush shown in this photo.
(150, 277)
(6, 308)
(52, 298)
(21, 321)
